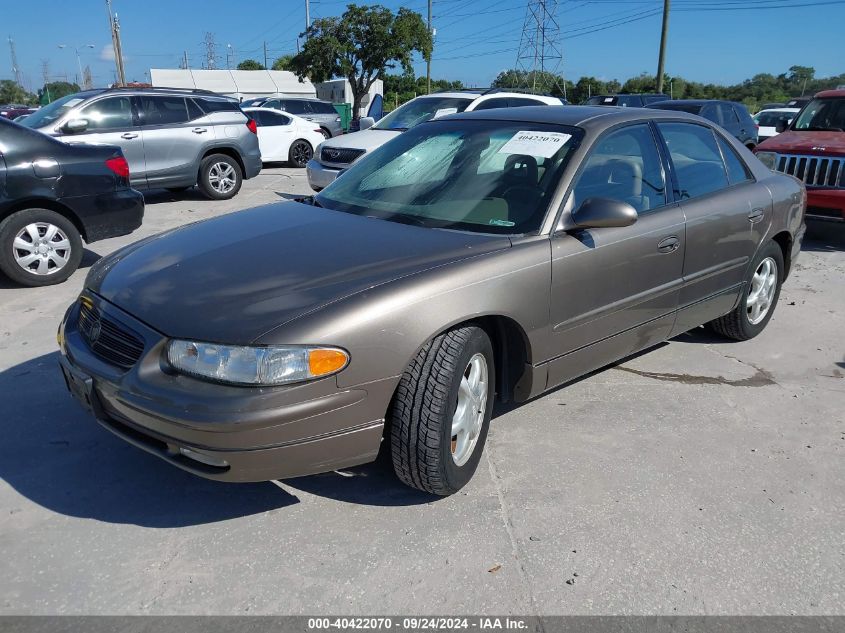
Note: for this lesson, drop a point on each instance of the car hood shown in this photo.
(367, 140)
(794, 142)
(232, 279)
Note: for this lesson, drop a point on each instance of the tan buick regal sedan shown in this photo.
(484, 256)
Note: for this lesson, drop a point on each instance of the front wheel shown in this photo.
(441, 411)
(300, 153)
(39, 247)
(759, 297)
(220, 177)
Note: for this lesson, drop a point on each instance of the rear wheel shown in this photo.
(39, 247)
(759, 297)
(300, 153)
(326, 134)
(441, 411)
(220, 177)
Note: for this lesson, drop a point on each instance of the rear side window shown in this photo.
(324, 108)
(492, 103)
(109, 113)
(218, 105)
(624, 165)
(194, 111)
(294, 107)
(737, 170)
(269, 119)
(163, 110)
(696, 159)
(516, 102)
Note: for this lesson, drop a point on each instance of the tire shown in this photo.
(326, 134)
(425, 406)
(745, 322)
(56, 257)
(220, 177)
(300, 153)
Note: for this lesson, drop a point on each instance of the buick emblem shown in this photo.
(95, 331)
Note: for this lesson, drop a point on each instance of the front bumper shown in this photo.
(826, 205)
(320, 176)
(218, 431)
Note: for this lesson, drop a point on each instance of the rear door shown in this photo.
(275, 134)
(113, 120)
(615, 290)
(726, 211)
(172, 140)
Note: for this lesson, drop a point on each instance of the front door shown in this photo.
(173, 139)
(111, 121)
(615, 290)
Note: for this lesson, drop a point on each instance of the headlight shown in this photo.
(277, 365)
(768, 159)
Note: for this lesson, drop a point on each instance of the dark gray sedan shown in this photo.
(479, 257)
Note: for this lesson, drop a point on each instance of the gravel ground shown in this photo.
(702, 477)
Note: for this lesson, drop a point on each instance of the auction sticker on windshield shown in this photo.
(444, 112)
(545, 144)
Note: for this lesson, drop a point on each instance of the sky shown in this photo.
(721, 41)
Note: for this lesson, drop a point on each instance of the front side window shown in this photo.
(294, 107)
(480, 176)
(695, 157)
(163, 110)
(113, 112)
(822, 115)
(420, 110)
(623, 165)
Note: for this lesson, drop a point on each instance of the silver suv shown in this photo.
(320, 112)
(172, 138)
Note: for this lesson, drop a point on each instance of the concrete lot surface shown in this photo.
(703, 477)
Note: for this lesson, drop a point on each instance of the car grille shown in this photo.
(340, 155)
(108, 339)
(815, 171)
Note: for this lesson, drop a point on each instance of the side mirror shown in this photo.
(782, 124)
(366, 123)
(601, 213)
(75, 126)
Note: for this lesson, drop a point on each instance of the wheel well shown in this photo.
(511, 352)
(52, 205)
(784, 240)
(227, 151)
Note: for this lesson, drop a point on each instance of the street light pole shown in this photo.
(78, 58)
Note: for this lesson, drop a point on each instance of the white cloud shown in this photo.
(107, 54)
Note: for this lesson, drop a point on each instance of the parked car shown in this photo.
(731, 116)
(767, 121)
(321, 112)
(52, 196)
(285, 137)
(772, 106)
(798, 102)
(812, 148)
(626, 101)
(172, 138)
(12, 111)
(334, 156)
(443, 272)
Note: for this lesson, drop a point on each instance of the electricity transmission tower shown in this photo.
(540, 55)
(16, 70)
(210, 53)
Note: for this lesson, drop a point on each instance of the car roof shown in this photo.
(469, 96)
(681, 102)
(779, 110)
(587, 117)
(829, 93)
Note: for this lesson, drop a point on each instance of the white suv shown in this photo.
(336, 154)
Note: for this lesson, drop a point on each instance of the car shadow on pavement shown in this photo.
(824, 237)
(157, 196)
(56, 455)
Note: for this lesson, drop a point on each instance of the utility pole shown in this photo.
(210, 55)
(662, 56)
(265, 56)
(45, 74)
(428, 61)
(185, 60)
(307, 16)
(540, 48)
(16, 70)
(114, 28)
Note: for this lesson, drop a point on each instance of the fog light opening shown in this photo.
(208, 460)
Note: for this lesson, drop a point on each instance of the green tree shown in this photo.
(56, 90)
(283, 63)
(800, 75)
(10, 92)
(536, 81)
(361, 45)
(250, 64)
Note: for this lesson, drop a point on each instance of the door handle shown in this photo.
(668, 244)
(129, 135)
(756, 215)
(199, 130)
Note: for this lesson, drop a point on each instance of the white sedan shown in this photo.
(285, 137)
(767, 121)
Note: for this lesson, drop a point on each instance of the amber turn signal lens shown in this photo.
(326, 361)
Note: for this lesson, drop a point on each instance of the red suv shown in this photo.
(812, 149)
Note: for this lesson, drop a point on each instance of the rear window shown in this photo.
(321, 107)
(218, 105)
(770, 119)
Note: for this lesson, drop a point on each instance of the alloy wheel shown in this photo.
(469, 413)
(222, 177)
(762, 291)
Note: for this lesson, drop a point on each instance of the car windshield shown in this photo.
(420, 110)
(822, 115)
(481, 176)
(52, 112)
(254, 103)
